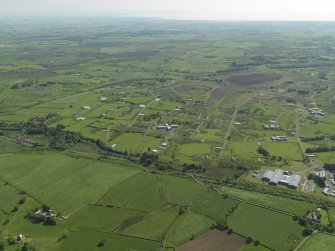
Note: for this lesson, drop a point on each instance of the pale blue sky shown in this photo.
(183, 9)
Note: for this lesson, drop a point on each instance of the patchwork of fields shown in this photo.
(155, 134)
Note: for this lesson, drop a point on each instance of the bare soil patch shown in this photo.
(253, 78)
(214, 240)
(216, 95)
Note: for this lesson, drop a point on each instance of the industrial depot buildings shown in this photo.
(282, 177)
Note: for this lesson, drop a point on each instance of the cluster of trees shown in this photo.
(26, 83)
(263, 151)
(311, 225)
(320, 149)
(146, 159)
(193, 168)
(330, 167)
(10, 241)
(317, 138)
(46, 220)
(319, 181)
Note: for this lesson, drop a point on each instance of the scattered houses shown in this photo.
(39, 118)
(86, 107)
(271, 126)
(141, 106)
(20, 237)
(80, 118)
(103, 99)
(167, 127)
(316, 111)
(25, 141)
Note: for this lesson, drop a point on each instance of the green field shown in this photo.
(64, 189)
(287, 205)
(186, 226)
(274, 230)
(319, 241)
(106, 120)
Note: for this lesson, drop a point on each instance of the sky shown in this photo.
(323, 10)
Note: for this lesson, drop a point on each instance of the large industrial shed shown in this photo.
(278, 176)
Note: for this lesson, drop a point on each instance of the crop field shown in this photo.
(146, 134)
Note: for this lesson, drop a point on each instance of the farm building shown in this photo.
(39, 118)
(167, 127)
(285, 180)
(280, 177)
(267, 175)
(294, 182)
(279, 138)
(277, 175)
(141, 106)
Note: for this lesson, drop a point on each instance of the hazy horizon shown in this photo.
(252, 10)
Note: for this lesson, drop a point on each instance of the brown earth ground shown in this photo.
(253, 78)
(214, 240)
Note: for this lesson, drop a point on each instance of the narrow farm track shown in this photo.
(297, 134)
(232, 121)
(304, 240)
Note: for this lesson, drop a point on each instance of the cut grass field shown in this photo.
(324, 218)
(214, 205)
(289, 151)
(287, 205)
(88, 240)
(101, 218)
(64, 183)
(319, 241)
(9, 197)
(153, 226)
(187, 226)
(180, 191)
(274, 230)
(141, 191)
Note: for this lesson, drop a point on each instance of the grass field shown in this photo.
(186, 226)
(274, 230)
(154, 226)
(181, 192)
(101, 218)
(287, 205)
(213, 205)
(9, 197)
(88, 240)
(71, 182)
(319, 241)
